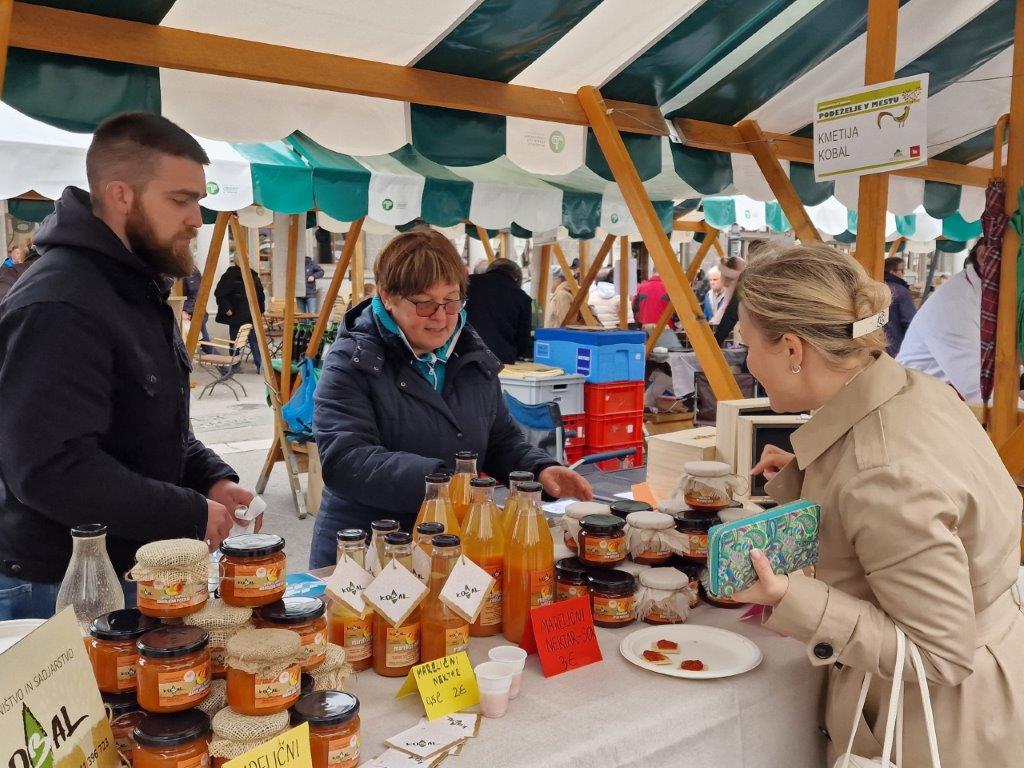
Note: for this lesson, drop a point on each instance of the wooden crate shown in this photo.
(667, 453)
(725, 420)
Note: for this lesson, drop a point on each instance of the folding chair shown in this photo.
(221, 366)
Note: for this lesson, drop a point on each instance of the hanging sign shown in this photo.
(445, 685)
(291, 749)
(874, 129)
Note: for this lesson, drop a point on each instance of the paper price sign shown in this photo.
(289, 750)
(563, 636)
(395, 593)
(445, 685)
(467, 588)
(348, 582)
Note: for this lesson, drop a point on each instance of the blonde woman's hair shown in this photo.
(814, 292)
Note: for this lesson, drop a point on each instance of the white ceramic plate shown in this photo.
(13, 631)
(724, 653)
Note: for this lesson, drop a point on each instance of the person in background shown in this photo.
(902, 309)
(233, 305)
(369, 289)
(715, 296)
(14, 257)
(500, 312)
(725, 318)
(309, 303)
(650, 301)
(944, 338)
(190, 287)
(94, 375)
(9, 276)
(559, 302)
(480, 266)
(604, 300)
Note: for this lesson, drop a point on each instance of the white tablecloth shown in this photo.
(685, 364)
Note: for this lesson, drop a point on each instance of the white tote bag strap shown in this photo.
(926, 703)
(894, 696)
(861, 700)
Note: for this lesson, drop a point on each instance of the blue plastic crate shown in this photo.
(599, 355)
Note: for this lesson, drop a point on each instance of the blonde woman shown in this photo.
(920, 523)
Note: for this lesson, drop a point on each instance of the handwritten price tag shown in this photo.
(563, 636)
(445, 685)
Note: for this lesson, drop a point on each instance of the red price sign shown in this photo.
(563, 636)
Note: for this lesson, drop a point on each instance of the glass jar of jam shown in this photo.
(173, 668)
(602, 541)
(179, 740)
(624, 507)
(304, 615)
(124, 714)
(693, 572)
(648, 540)
(570, 579)
(710, 485)
(571, 521)
(235, 734)
(112, 651)
(172, 577)
(333, 719)
(694, 526)
(664, 596)
(264, 672)
(252, 569)
(332, 674)
(222, 621)
(612, 598)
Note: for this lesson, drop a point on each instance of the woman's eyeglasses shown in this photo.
(427, 308)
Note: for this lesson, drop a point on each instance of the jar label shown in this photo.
(456, 639)
(660, 555)
(604, 550)
(343, 752)
(277, 690)
(614, 610)
(257, 580)
(695, 544)
(402, 645)
(199, 761)
(541, 588)
(183, 686)
(314, 645)
(164, 594)
(357, 638)
(126, 672)
(569, 591)
(491, 613)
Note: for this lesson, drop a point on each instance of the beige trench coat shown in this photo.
(920, 526)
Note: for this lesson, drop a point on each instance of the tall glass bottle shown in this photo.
(378, 530)
(529, 563)
(437, 506)
(465, 470)
(444, 631)
(423, 549)
(396, 650)
(483, 542)
(345, 627)
(508, 514)
(90, 584)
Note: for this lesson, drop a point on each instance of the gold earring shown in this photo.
(794, 369)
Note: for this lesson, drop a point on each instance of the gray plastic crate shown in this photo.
(566, 390)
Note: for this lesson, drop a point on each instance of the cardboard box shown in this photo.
(667, 453)
(728, 412)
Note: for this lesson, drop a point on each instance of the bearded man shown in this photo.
(94, 390)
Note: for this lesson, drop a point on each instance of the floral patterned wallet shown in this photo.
(788, 535)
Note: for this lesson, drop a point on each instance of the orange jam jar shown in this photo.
(222, 621)
(694, 526)
(264, 670)
(305, 616)
(173, 669)
(570, 579)
(650, 534)
(235, 734)
(664, 596)
(124, 714)
(252, 569)
(612, 598)
(178, 740)
(172, 577)
(112, 651)
(333, 719)
(571, 521)
(602, 541)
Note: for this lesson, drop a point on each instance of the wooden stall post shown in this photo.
(624, 257)
(588, 316)
(485, 240)
(584, 246)
(545, 276)
(358, 267)
(584, 291)
(289, 309)
(335, 286)
(195, 328)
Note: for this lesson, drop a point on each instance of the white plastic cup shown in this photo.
(515, 657)
(494, 681)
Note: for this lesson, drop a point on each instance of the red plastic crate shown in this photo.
(621, 429)
(614, 398)
(572, 455)
(576, 423)
(611, 465)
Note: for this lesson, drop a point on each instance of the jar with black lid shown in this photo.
(172, 740)
(612, 598)
(571, 579)
(623, 507)
(602, 541)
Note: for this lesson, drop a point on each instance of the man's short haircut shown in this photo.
(127, 147)
(507, 266)
(892, 264)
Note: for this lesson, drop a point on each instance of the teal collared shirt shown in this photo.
(431, 365)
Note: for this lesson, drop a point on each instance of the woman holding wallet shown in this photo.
(920, 522)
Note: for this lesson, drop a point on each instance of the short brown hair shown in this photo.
(893, 263)
(415, 261)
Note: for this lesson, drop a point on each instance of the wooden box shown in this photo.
(728, 412)
(667, 453)
(753, 433)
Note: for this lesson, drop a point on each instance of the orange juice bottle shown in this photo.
(483, 542)
(465, 470)
(436, 506)
(396, 650)
(529, 564)
(378, 530)
(423, 550)
(351, 630)
(444, 631)
(508, 514)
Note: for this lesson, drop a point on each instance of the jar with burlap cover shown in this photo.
(263, 652)
(216, 699)
(172, 576)
(331, 675)
(235, 734)
(574, 513)
(652, 533)
(223, 622)
(664, 593)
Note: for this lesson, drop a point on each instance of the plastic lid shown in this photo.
(397, 538)
(172, 642)
(89, 530)
(385, 525)
(252, 545)
(293, 610)
(692, 520)
(668, 579)
(438, 477)
(602, 523)
(520, 476)
(611, 579)
(482, 482)
(351, 534)
(465, 455)
(530, 488)
(571, 568)
(580, 509)
(624, 507)
(430, 528)
(125, 624)
(307, 684)
(120, 703)
(172, 730)
(325, 708)
(707, 468)
(444, 540)
(650, 520)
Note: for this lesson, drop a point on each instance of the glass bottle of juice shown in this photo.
(508, 513)
(458, 490)
(378, 530)
(345, 627)
(529, 563)
(444, 631)
(483, 542)
(436, 506)
(423, 549)
(396, 650)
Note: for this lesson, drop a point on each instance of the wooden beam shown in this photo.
(764, 153)
(584, 292)
(220, 227)
(726, 138)
(624, 258)
(38, 28)
(259, 327)
(584, 246)
(680, 225)
(289, 308)
(1003, 418)
(358, 269)
(873, 199)
(588, 316)
(698, 258)
(1012, 452)
(895, 249)
(718, 244)
(335, 286)
(545, 276)
(6, 11)
(680, 292)
(485, 241)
